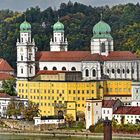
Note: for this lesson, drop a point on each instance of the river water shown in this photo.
(16, 137)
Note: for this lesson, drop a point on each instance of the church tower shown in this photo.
(58, 42)
(102, 41)
(25, 53)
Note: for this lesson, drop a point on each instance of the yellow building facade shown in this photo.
(50, 94)
(117, 88)
(69, 97)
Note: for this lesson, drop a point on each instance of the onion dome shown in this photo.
(25, 26)
(58, 27)
(101, 30)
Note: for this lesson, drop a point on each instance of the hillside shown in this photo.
(78, 19)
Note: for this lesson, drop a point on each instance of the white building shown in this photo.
(135, 94)
(48, 120)
(127, 114)
(99, 63)
(93, 112)
(4, 101)
(108, 107)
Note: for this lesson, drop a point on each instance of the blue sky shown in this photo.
(22, 5)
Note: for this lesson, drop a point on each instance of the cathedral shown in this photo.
(100, 63)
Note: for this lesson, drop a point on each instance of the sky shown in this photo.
(22, 5)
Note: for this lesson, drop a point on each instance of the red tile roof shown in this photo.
(121, 55)
(4, 66)
(108, 103)
(68, 56)
(4, 95)
(131, 110)
(5, 76)
(78, 56)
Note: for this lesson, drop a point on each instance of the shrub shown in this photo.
(91, 128)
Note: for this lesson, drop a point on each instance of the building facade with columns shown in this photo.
(101, 62)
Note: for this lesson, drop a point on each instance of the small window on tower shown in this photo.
(21, 70)
(103, 47)
(21, 57)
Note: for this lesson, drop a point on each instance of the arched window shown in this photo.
(31, 69)
(87, 72)
(45, 68)
(113, 71)
(118, 71)
(103, 47)
(54, 68)
(21, 70)
(107, 70)
(63, 68)
(21, 57)
(123, 71)
(94, 73)
(132, 70)
(73, 69)
(128, 71)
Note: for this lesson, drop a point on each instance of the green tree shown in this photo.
(31, 111)
(80, 115)
(9, 86)
(69, 119)
(15, 108)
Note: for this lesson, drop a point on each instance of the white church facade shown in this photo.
(101, 62)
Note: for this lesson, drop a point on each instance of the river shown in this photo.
(17, 137)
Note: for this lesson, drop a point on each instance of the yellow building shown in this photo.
(60, 96)
(56, 97)
(117, 87)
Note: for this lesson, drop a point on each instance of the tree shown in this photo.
(15, 108)
(9, 86)
(80, 115)
(31, 111)
(69, 119)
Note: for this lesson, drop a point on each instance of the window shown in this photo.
(113, 71)
(54, 68)
(45, 68)
(87, 72)
(103, 47)
(94, 73)
(107, 70)
(21, 57)
(123, 71)
(73, 69)
(118, 71)
(107, 111)
(132, 70)
(30, 69)
(21, 70)
(128, 71)
(63, 68)
(30, 56)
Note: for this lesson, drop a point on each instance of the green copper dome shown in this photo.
(58, 26)
(25, 26)
(101, 30)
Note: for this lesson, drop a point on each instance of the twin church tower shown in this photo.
(101, 43)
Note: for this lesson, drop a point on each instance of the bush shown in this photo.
(91, 128)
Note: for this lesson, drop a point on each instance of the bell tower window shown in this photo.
(21, 70)
(102, 47)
